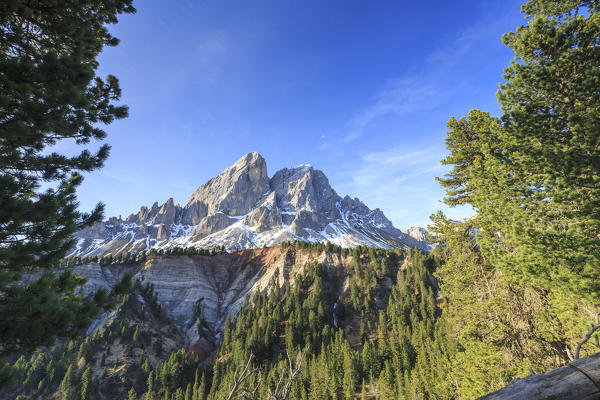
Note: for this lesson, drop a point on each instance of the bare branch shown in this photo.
(282, 393)
(240, 391)
(587, 337)
(571, 358)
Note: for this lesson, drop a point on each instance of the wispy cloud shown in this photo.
(450, 54)
(401, 179)
(381, 173)
(401, 96)
(422, 90)
(202, 66)
(400, 182)
(210, 54)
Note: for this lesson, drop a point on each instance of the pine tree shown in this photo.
(150, 389)
(65, 384)
(551, 147)
(532, 176)
(202, 389)
(131, 394)
(178, 395)
(349, 381)
(85, 383)
(49, 92)
(188, 392)
(363, 391)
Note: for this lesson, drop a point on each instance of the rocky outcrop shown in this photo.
(220, 281)
(304, 188)
(194, 212)
(263, 218)
(242, 208)
(417, 233)
(212, 223)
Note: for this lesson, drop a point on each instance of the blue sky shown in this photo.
(361, 90)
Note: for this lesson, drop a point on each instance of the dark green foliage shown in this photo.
(532, 176)
(40, 302)
(551, 147)
(319, 246)
(67, 366)
(49, 92)
(130, 257)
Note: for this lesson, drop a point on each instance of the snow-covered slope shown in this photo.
(242, 208)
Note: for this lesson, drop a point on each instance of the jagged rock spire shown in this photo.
(242, 208)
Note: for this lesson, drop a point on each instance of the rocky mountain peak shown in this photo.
(242, 208)
(235, 190)
(251, 158)
(304, 189)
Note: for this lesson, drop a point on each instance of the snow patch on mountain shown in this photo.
(242, 208)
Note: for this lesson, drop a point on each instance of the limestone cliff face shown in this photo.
(304, 188)
(242, 208)
(222, 281)
(417, 232)
(234, 192)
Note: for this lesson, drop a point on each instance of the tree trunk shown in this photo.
(580, 379)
